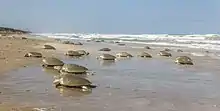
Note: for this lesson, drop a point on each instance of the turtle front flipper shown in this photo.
(57, 83)
(90, 73)
(86, 88)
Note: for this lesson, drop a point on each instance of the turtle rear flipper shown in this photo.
(92, 86)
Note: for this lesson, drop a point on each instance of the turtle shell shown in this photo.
(74, 68)
(49, 47)
(107, 57)
(83, 52)
(72, 80)
(179, 50)
(51, 61)
(123, 54)
(77, 43)
(73, 53)
(145, 54)
(147, 47)
(166, 49)
(164, 53)
(33, 54)
(184, 60)
(105, 49)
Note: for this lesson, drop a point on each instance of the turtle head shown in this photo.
(56, 81)
(26, 55)
(57, 67)
(86, 89)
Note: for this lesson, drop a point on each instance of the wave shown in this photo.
(206, 41)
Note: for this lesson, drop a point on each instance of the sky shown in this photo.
(112, 16)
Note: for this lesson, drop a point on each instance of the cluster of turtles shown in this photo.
(70, 75)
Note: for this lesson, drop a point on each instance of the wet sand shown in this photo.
(134, 84)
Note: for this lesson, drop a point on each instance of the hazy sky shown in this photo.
(112, 16)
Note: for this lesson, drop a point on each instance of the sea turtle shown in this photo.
(123, 54)
(184, 60)
(73, 53)
(67, 42)
(105, 49)
(179, 50)
(51, 62)
(72, 69)
(83, 52)
(33, 54)
(106, 57)
(166, 49)
(49, 47)
(147, 47)
(164, 53)
(99, 40)
(77, 43)
(72, 81)
(145, 54)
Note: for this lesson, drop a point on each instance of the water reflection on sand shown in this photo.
(124, 85)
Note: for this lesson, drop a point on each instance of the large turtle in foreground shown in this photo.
(105, 49)
(73, 53)
(106, 57)
(164, 53)
(184, 60)
(50, 62)
(49, 47)
(33, 54)
(123, 54)
(72, 81)
(71, 69)
(145, 55)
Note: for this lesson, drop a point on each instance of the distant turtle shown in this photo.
(71, 68)
(147, 47)
(166, 49)
(99, 40)
(49, 47)
(123, 54)
(73, 53)
(164, 53)
(33, 54)
(179, 50)
(106, 57)
(105, 49)
(83, 52)
(67, 42)
(72, 81)
(185, 60)
(77, 43)
(145, 55)
(24, 38)
(51, 62)
(57, 39)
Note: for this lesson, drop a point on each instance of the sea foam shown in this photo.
(206, 41)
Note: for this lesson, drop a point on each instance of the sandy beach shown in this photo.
(134, 84)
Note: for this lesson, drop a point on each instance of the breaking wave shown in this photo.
(207, 41)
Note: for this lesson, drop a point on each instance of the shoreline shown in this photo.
(12, 50)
